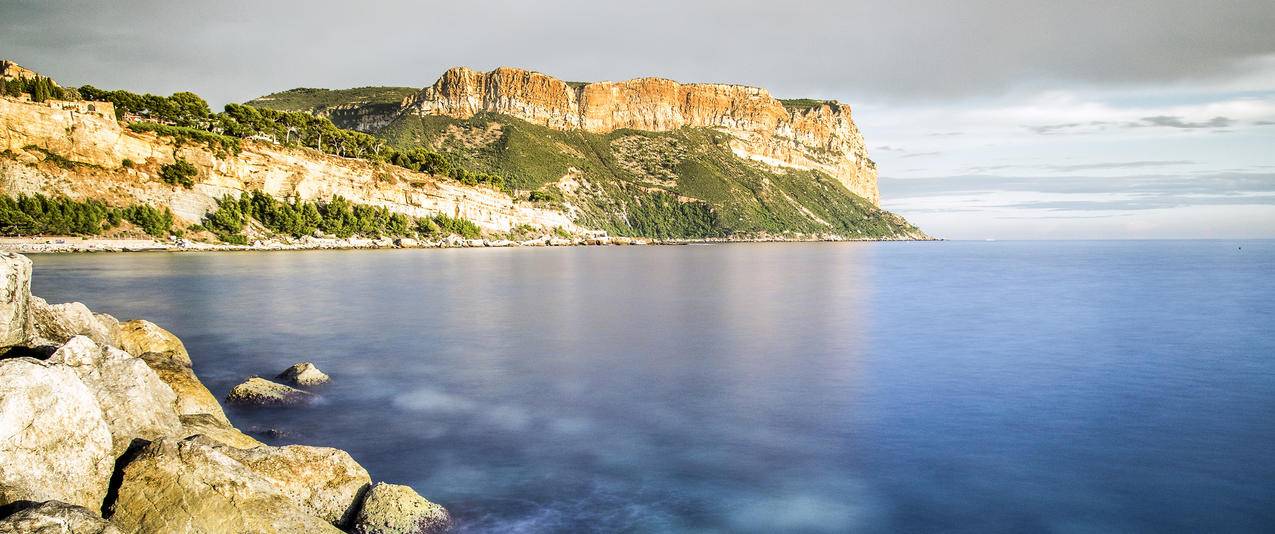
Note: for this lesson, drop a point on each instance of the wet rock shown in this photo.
(192, 396)
(395, 509)
(193, 486)
(134, 401)
(326, 482)
(304, 374)
(217, 429)
(54, 517)
(257, 391)
(54, 442)
(61, 322)
(15, 296)
(140, 337)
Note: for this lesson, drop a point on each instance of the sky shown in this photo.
(987, 119)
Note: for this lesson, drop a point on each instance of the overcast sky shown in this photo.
(988, 119)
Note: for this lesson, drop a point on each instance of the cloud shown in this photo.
(1178, 122)
(921, 154)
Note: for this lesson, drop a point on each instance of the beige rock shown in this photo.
(54, 442)
(217, 429)
(140, 337)
(395, 509)
(192, 396)
(257, 391)
(193, 486)
(61, 322)
(304, 374)
(327, 482)
(135, 403)
(15, 296)
(112, 326)
(54, 517)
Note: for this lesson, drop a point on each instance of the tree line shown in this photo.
(38, 214)
(40, 88)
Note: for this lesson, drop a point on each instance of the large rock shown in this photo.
(218, 429)
(304, 374)
(55, 517)
(192, 396)
(257, 391)
(325, 481)
(134, 401)
(54, 442)
(395, 509)
(15, 297)
(61, 322)
(193, 486)
(140, 337)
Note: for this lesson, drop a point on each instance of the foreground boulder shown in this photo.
(135, 403)
(192, 486)
(203, 424)
(15, 296)
(304, 374)
(61, 322)
(54, 442)
(324, 481)
(395, 509)
(173, 367)
(140, 337)
(257, 391)
(55, 517)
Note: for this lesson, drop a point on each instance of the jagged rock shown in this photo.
(140, 337)
(135, 403)
(61, 322)
(325, 481)
(395, 509)
(192, 396)
(54, 442)
(193, 486)
(54, 517)
(257, 391)
(15, 296)
(304, 374)
(112, 326)
(219, 430)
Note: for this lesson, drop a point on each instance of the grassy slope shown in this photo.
(317, 100)
(685, 183)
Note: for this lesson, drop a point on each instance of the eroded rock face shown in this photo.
(327, 482)
(257, 391)
(15, 296)
(304, 374)
(395, 509)
(61, 322)
(193, 486)
(53, 517)
(821, 136)
(54, 442)
(134, 401)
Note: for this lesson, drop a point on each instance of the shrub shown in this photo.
(181, 173)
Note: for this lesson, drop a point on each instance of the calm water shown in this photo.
(887, 387)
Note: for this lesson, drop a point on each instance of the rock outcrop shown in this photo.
(54, 442)
(395, 509)
(91, 427)
(257, 391)
(304, 374)
(811, 135)
(15, 296)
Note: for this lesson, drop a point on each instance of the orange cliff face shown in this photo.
(823, 137)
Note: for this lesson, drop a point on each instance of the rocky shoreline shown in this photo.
(53, 245)
(106, 429)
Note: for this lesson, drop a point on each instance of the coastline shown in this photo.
(78, 244)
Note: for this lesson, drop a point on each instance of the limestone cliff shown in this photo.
(79, 150)
(820, 136)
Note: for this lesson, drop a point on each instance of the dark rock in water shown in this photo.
(55, 517)
(257, 391)
(395, 509)
(304, 374)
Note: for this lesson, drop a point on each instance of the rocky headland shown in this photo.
(105, 428)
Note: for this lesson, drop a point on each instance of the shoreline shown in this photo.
(77, 244)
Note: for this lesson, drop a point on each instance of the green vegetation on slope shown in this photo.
(317, 100)
(338, 217)
(803, 104)
(41, 215)
(685, 183)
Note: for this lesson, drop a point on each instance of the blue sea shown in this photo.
(1106, 386)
